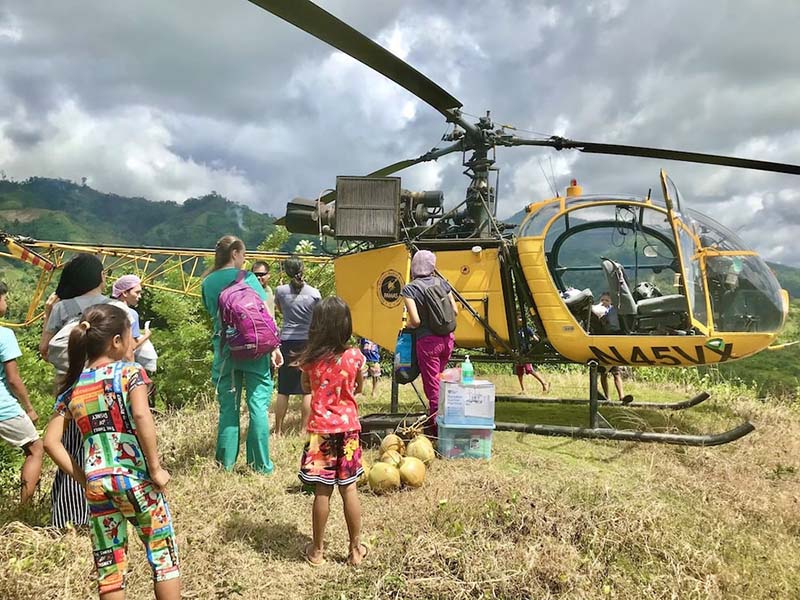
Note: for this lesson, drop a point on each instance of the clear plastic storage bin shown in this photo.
(465, 441)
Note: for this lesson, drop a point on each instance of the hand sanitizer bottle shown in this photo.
(467, 373)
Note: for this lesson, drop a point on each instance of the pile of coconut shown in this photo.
(399, 464)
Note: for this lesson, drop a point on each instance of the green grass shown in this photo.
(544, 518)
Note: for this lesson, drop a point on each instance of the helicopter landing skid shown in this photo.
(600, 429)
(610, 433)
(683, 404)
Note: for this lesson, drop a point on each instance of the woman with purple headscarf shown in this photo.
(433, 351)
(128, 290)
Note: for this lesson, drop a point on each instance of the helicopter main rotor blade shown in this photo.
(560, 143)
(312, 19)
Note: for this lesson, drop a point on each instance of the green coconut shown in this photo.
(422, 448)
(412, 471)
(393, 442)
(364, 478)
(392, 457)
(383, 478)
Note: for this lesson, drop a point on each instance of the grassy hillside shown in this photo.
(55, 209)
(545, 518)
(789, 278)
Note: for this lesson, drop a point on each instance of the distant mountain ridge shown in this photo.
(61, 210)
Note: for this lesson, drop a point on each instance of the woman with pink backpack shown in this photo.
(241, 355)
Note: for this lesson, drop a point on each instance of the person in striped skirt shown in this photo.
(83, 280)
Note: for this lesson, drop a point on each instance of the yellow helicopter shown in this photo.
(686, 291)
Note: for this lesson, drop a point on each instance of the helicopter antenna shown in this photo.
(553, 173)
(496, 191)
(546, 178)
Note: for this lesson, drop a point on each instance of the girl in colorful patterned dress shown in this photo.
(121, 473)
(331, 372)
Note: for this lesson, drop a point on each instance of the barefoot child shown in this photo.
(122, 475)
(331, 372)
(527, 339)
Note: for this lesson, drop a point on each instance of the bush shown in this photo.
(182, 338)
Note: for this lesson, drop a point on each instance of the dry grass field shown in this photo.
(544, 518)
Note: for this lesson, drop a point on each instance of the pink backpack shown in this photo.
(246, 325)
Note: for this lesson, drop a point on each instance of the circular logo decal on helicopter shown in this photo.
(389, 285)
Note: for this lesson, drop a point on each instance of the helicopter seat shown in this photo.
(579, 303)
(656, 313)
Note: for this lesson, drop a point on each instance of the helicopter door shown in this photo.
(690, 273)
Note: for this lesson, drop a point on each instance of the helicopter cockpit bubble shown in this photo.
(743, 292)
(628, 232)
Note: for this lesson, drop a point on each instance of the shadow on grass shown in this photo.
(565, 446)
(278, 539)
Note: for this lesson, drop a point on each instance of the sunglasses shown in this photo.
(260, 275)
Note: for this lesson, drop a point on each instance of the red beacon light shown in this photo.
(574, 189)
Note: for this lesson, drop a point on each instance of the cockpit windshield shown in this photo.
(712, 234)
(745, 295)
(668, 269)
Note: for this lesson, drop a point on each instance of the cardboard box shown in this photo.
(471, 404)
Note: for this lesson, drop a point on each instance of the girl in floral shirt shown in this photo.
(331, 372)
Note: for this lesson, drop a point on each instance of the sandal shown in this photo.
(364, 554)
(307, 558)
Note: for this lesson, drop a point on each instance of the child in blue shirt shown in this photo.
(17, 415)
(372, 361)
(527, 338)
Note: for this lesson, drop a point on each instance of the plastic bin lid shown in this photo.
(440, 423)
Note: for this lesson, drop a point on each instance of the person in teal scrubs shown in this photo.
(230, 376)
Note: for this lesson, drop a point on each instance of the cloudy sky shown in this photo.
(169, 100)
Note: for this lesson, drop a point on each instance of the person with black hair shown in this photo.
(81, 286)
(331, 372)
(261, 270)
(295, 301)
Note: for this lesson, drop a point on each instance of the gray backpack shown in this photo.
(57, 349)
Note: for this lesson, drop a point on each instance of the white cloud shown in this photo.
(236, 100)
(126, 151)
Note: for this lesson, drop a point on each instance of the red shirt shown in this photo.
(333, 383)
